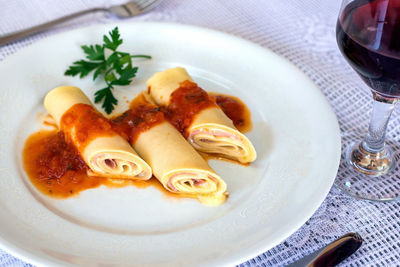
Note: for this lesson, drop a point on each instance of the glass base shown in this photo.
(370, 163)
(368, 175)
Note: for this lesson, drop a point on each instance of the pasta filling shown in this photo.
(116, 165)
(193, 183)
(218, 141)
(207, 188)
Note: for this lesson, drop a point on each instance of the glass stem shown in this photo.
(382, 108)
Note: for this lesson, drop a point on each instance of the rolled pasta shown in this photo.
(175, 163)
(105, 152)
(206, 127)
(178, 166)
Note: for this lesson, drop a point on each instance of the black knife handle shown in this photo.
(338, 251)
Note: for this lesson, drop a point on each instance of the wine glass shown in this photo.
(368, 35)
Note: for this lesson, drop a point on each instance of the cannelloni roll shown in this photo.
(178, 167)
(105, 152)
(197, 116)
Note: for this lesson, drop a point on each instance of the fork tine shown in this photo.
(149, 4)
(142, 3)
(133, 8)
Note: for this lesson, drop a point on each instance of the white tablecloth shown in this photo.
(301, 31)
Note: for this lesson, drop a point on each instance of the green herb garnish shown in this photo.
(116, 69)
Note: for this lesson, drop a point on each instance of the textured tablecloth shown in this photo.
(301, 31)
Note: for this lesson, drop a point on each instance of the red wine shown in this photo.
(368, 35)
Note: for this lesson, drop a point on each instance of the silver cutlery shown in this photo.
(332, 254)
(127, 10)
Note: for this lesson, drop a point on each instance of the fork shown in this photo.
(127, 10)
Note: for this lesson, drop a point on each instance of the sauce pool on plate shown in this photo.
(54, 167)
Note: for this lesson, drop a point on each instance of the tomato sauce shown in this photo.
(189, 100)
(84, 123)
(185, 103)
(141, 116)
(55, 167)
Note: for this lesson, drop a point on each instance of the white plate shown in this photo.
(295, 133)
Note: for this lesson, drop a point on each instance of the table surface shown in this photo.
(301, 31)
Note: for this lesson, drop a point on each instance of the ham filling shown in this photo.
(196, 182)
(112, 164)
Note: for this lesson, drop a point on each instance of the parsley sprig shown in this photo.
(117, 69)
